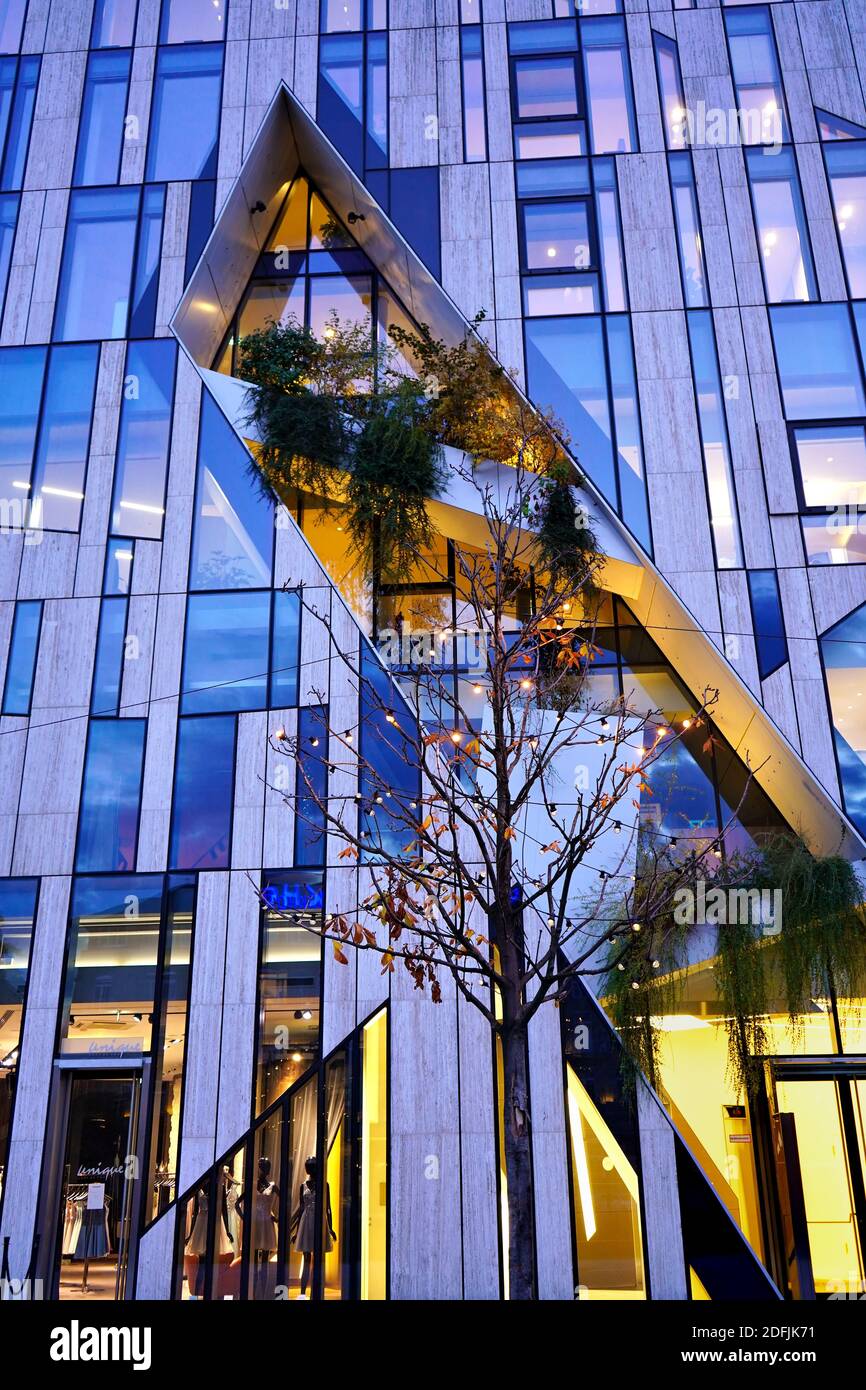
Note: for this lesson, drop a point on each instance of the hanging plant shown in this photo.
(397, 467)
(566, 546)
(819, 950)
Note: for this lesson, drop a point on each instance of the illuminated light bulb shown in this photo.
(456, 736)
(348, 735)
(306, 1014)
(296, 1056)
(661, 732)
(280, 734)
(604, 724)
(357, 797)
(390, 717)
(635, 926)
(533, 743)
(687, 723)
(314, 743)
(526, 685)
(635, 985)
(656, 964)
(328, 333)
(620, 966)
(379, 799)
(617, 828)
(553, 810)
(478, 689)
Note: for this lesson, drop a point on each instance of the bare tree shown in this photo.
(483, 856)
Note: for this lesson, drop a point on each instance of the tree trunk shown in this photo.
(518, 1165)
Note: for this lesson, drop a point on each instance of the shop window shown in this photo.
(63, 444)
(12, 13)
(768, 621)
(108, 665)
(22, 372)
(846, 167)
(225, 665)
(21, 662)
(689, 242)
(201, 813)
(817, 361)
(783, 238)
(17, 913)
(113, 24)
(169, 1050)
(714, 439)
(100, 131)
(8, 223)
(757, 79)
(110, 796)
(184, 118)
(18, 80)
(374, 1158)
(192, 21)
(143, 439)
(233, 527)
(671, 89)
(608, 86)
(96, 271)
(289, 982)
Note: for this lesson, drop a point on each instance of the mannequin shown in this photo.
(195, 1250)
(263, 1241)
(306, 1237)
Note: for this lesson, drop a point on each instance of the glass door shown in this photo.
(99, 1187)
(823, 1118)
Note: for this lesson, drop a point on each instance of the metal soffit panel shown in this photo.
(289, 139)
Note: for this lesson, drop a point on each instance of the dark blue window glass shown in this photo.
(233, 531)
(8, 222)
(21, 665)
(100, 137)
(768, 621)
(817, 361)
(192, 21)
(143, 439)
(22, 371)
(201, 814)
(629, 448)
(566, 371)
(377, 101)
(64, 437)
(226, 652)
(113, 24)
(543, 37)
(146, 281)
(415, 212)
(201, 213)
(389, 748)
(285, 649)
(96, 274)
(12, 14)
(184, 120)
(311, 786)
(16, 119)
(340, 109)
(108, 826)
(108, 669)
(843, 648)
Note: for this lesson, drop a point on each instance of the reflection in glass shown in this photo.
(545, 87)
(143, 438)
(757, 80)
(714, 438)
(289, 985)
(201, 811)
(688, 231)
(781, 225)
(64, 438)
(846, 166)
(21, 662)
(226, 652)
(184, 119)
(556, 236)
(108, 819)
(553, 140)
(100, 136)
(233, 527)
(817, 361)
(96, 272)
(608, 86)
(17, 910)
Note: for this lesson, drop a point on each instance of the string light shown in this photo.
(391, 717)
(280, 735)
(347, 735)
(456, 736)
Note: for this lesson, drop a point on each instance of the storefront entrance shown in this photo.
(818, 1140)
(99, 1186)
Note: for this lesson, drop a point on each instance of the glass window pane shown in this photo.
(817, 362)
(629, 450)
(290, 231)
(844, 651)
(545, 87)
(203, 783)
(756, 76)
(374, 1158)
(608, 86)
(146, 281)
(95, 277)
(832, 462)
(170, 1047)
(542, 38)
(119, 556)
(21, 662)
(714, 437)
(837, 539)
(108, 669)
(610, 235)
(17, 910)
(671, 85)
(113, 24)
(20, 121)
(769, 623)
(108, 823)
(566, 371)
(377, 94)
(192, 21)
(112, 955)
(272, 301)
(12, 14)
(184, 120)
(556, 236)
(226, 652)
(143, 439)
(553, 140)
(233, 525)
(560, 294)
(341, 66)
(781, 224)
(64, 437)
(100, 135)
(688, 231)
(474, 125)
(290, 972)
(8, 222)
(350, 298)
(285, 650)
(311, 785)
(22, 370)
(555, 177)
(846, 165)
